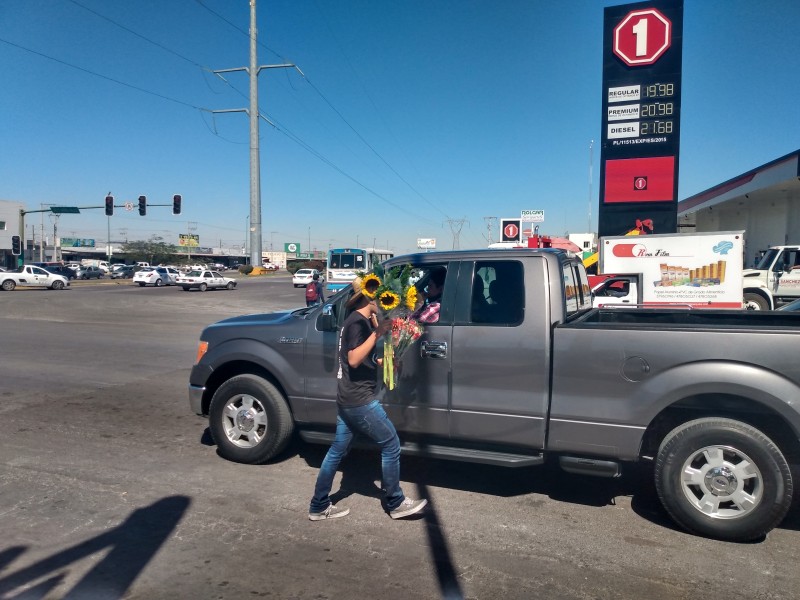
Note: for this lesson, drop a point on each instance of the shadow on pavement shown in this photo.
(132, 545)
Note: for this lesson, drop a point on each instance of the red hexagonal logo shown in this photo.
(642, 37)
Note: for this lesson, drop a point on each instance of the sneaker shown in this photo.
(332, 512)
(408, 508)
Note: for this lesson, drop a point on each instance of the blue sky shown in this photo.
(410, 113)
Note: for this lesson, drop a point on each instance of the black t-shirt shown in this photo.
(356, 386)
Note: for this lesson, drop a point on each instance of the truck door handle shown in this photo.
(433, 350)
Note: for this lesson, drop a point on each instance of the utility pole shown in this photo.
(591, 143)
(190, 227)
(455, 227)
(490, 223)
(255, 159)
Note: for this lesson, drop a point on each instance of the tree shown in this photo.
(154, 251)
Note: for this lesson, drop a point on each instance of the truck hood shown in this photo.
(753, 273)
(256, 320)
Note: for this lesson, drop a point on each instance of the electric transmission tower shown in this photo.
(455, 227)
(490, 223)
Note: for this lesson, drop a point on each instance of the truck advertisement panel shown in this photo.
(702, 270)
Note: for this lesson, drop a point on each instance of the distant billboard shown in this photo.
(188, 239)
(426, 243)
(76, 243)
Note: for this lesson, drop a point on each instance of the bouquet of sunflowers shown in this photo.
(396, 298)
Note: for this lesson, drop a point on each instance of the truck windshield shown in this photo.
(767, 260)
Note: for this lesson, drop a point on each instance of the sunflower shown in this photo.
(388, 300)
(370, 285)
(411, 298)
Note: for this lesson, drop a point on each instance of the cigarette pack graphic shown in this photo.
(706, 275)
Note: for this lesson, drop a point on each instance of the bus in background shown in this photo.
(344, 263)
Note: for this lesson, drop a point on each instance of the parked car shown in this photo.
(89, 272)
(61, 270)
(305, 276)
(123, 272)
(156, 276)
(270, 266)
(205, 280)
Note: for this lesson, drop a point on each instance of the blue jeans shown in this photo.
(371, 421)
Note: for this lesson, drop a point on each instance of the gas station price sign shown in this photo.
(642, 60)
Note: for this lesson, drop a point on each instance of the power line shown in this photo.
(106, 77)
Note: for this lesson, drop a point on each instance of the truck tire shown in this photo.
(723, 479)
(9, 284)
(249, 420)
(754, 301)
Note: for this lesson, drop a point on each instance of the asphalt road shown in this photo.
(111, 488)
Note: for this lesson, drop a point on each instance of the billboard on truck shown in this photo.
(703, 270)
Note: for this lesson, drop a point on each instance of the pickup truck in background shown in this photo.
(612, 290)
(520, 369)
(31, 276)
(776, 278)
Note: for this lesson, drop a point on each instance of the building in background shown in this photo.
(764, 202)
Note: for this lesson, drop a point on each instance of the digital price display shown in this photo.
(642, 59)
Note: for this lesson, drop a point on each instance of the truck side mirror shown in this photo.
(327, 319)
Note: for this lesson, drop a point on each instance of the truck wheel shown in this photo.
(723, 479)
(249, 420)
(58, 285)
(755, 302)
(9, 284)
(202, 287)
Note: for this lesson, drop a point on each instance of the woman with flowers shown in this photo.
(358, 408)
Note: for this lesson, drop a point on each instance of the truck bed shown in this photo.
(616, 370)
(725, 319)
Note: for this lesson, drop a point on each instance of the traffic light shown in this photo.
(142, 206)
(16, 245)
(176, 204)
(109, 205)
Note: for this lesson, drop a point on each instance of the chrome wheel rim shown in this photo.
(244, 421)
(722, 482)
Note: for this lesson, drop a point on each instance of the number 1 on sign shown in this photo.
(640, 31)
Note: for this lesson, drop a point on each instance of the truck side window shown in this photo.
(498, 293)
(571, 291)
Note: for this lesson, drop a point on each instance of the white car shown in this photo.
(156, 276)
(303, 277)
(31, 276)
(205, 280)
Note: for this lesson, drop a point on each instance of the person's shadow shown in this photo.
(132, 545)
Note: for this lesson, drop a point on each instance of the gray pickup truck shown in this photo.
(520, 369)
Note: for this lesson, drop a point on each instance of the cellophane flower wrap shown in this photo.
(396, 298)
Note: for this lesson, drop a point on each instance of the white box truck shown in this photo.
(701, 270)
